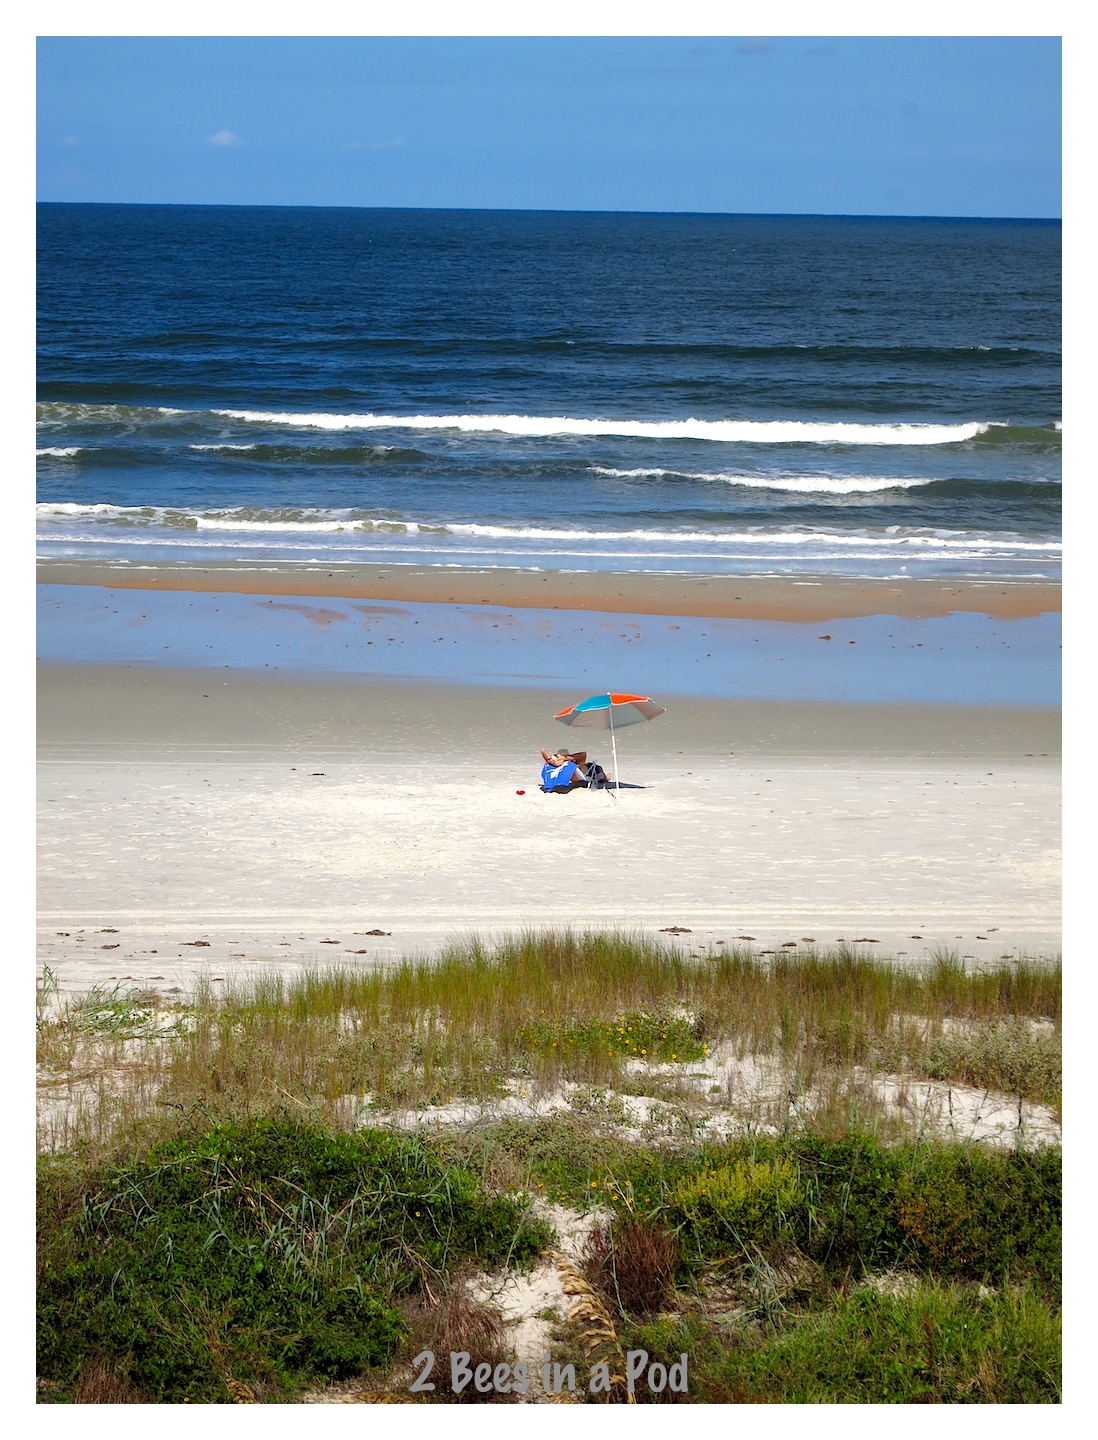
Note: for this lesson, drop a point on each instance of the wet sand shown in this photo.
(805, 599)
(149, 710)
(193, 819)
(961, 659)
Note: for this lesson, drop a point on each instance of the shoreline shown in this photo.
(801, 598)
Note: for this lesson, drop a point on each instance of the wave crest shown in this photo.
(304, 522)
(794, 484)
(771, 432)
(292, 519)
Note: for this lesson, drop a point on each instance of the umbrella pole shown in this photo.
(614, 749)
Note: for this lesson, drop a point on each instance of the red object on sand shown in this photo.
(520, 792)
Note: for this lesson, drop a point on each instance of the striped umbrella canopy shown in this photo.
(610, 712)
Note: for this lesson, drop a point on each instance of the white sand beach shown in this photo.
(206, 820)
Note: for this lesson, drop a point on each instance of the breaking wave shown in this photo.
(304, 523)
(774, 432)
(795, 484)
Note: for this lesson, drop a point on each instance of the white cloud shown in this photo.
(224, 137)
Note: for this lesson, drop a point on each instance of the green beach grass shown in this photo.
(252, 1195)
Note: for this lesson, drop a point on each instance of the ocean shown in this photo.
(727, 394)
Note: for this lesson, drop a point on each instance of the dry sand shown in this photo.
(213, 818)
(804, 598)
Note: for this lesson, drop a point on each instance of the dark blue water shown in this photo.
(749, 394)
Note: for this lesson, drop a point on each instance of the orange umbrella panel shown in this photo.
(610, 712)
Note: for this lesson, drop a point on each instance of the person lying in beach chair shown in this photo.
(565, 770)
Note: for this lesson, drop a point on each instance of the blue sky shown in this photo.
(882, 126)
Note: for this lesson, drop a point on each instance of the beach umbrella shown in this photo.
(610, 712)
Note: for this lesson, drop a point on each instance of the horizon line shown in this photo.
(555, 210)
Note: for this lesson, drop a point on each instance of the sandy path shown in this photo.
(264, 861)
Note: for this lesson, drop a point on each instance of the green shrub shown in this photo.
(1012, 1056)
(856, 1205)
(635, 1034)
(938, 1344)
(266, 1253)
(983, 1214)
(746, 1202)
(565, 1153)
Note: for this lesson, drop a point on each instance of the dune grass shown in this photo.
(230, 1211)
(541, 1010)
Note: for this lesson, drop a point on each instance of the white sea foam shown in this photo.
(71, 509)
(815, 549)
(766, 432)
(254, 445)
(795, 484)
(244, 523)
(60, 412)
(301, 452)
(847, 539)
(287, 520)
(60, 452)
